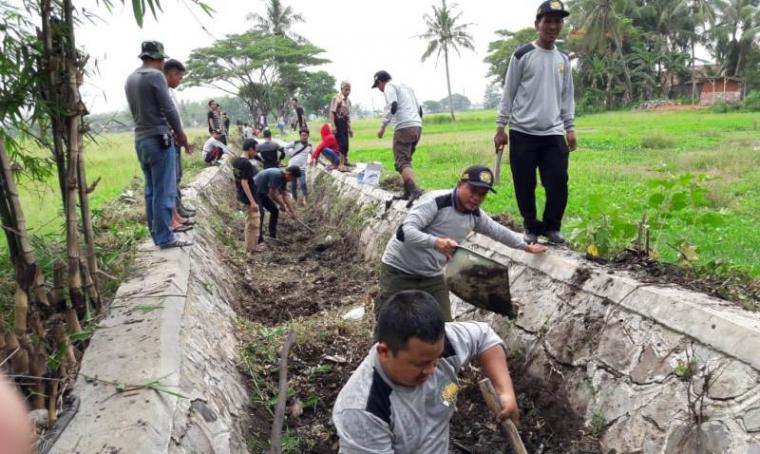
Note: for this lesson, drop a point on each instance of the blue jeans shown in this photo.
(331, 156)
(299, 182)
(159, 166)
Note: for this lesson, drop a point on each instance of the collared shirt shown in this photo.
(373, 415)
(270, 179)
(412, 249)
(341, 107)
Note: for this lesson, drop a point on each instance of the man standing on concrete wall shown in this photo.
(415, 256)
(155, 117)
(340, 118)
(406, 114)
(539, 107)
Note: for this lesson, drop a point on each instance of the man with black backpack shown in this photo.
(298, 153)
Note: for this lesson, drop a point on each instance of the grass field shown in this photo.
(619, 155)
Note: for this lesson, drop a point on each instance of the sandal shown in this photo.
(188, 222)
(176, 243)
(182, 228)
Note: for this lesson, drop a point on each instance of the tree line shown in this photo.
(627, 51)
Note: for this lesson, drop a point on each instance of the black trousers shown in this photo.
(550, 155)
(341, 129)
(266, 203)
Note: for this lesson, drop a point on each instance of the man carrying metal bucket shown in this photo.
(427, 238)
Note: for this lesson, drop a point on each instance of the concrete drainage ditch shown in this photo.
(603, 363)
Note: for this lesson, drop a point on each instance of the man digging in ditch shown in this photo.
(271, 196)
(244, 172)
(402, 396)
(415, 256)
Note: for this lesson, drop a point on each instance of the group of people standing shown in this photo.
(159, 138)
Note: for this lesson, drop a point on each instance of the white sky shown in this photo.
(359, 37)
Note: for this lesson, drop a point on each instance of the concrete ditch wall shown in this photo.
(631, 358)
(170, 322)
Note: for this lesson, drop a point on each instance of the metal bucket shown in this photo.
(480, 281)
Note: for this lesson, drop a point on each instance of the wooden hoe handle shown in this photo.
(507, 426)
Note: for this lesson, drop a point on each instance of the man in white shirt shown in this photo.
(214, 148)
(405, 112)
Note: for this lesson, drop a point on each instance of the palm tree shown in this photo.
(703, 15)
(278, 20)
(740, 25)
(603, 28)
(443, 32)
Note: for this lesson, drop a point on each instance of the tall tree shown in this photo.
(444, 32)
(278, 20)
(261, 69)
(500, 51)
(738, 27)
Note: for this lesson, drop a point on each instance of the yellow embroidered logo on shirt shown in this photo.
(449, 394)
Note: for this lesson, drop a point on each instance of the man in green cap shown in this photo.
(155, 116)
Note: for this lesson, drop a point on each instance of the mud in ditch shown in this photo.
(303, 273)
(547, 424)
(307, 282)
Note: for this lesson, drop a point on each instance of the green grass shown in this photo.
(618, 153)
(110, 157)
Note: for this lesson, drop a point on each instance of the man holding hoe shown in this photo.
(539, 106)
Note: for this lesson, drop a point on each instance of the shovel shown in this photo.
(480, 281)
(507, 427)
(305, 226)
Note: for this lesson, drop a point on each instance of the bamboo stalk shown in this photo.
(89, 285)
(59, 297)
(21, 309)
(89, 235)
(63, 344)
(37, 370)
(39, 291)
(53, 404)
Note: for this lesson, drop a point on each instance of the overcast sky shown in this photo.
(358, 36)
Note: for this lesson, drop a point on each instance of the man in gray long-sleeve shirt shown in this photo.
(414, 258)
(538, 104)
(155, 116)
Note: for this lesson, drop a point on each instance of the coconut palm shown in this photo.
(739, 25)
(444, 33)
(278, 20)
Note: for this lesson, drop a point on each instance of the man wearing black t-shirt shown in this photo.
(270, 153)
(244, 172)
(215, 120)
(271, 196)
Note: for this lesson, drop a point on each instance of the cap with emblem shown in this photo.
(153, 50)
(479, 176)
(381, 76)
(550, 7)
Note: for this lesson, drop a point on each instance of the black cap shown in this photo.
(381, 76)
(479, 176)
(153, 50)
(552, 6)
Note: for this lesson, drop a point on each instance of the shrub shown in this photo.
(752, 101)
(657, 141)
